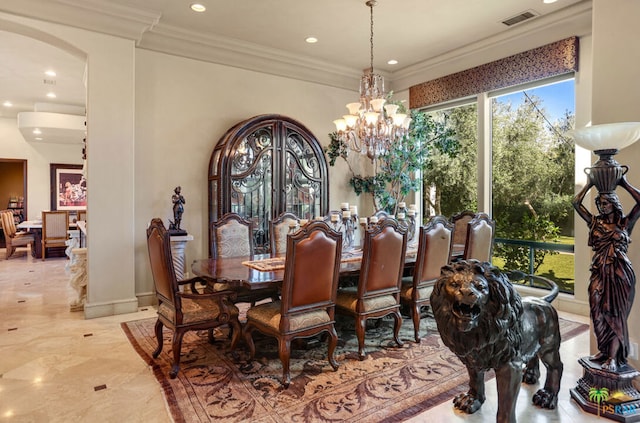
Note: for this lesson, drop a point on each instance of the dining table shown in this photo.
(264, 271)
(35, 227)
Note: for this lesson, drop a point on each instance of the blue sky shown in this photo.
(557, 98)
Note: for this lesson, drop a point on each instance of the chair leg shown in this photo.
(284, 351)
(333, 343)
(396, 327)
(246, 332)
(236, 330)
(177, 346)
(158, 330)
(415, 315)
(361, 323)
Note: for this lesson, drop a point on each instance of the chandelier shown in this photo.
(372, 126)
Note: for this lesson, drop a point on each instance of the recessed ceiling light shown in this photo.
(7, 104)
(549, 1)
(198, 7)
(392, 62)
(50, 73)
(38, 138)
(311, 40)
(37, 131)
(51, 95)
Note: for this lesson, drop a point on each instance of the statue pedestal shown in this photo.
(623, 402)
(178, 244)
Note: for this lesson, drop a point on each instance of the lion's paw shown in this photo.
(467, 403)
(545, 399)
(531, 376)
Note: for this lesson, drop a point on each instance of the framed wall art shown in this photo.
(68, 187)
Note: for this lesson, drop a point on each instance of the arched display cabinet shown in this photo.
(264, 166)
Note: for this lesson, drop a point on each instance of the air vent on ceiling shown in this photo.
(520, 18)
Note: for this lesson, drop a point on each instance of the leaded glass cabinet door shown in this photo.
(264, 166)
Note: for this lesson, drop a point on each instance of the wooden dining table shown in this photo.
(246, 271)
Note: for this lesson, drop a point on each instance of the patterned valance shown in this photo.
(553, 59)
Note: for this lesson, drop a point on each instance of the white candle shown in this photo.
(373, 219)
(353, 209)
(402, 204)
(335, 217)
(400, 215)
(346, 214)
(411, 212)
(412, 207)
(363, 220)
(344, 206)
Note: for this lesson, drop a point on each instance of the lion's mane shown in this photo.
(497, 337)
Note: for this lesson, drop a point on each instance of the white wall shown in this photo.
(183, 107)
(616, 98)
(38, 157)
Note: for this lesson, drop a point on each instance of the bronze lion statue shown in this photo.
(485, 322)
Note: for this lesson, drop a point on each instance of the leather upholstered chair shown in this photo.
(279, 228)
(307, 307)
(232, 236)
(378, 291)
(12, 237)
(460, 222)
(434, 251)
(181, 307)
(55, 229)
(480, 234)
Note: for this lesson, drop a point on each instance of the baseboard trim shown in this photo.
(95, 310)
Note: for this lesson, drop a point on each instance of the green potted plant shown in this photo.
(396, 172)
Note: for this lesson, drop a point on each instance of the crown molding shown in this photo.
(112, 19)
(237, 53)
(574, 20)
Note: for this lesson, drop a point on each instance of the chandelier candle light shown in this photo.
(371, 126)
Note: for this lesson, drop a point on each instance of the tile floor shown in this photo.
(58, 367)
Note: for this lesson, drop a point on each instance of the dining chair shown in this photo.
(82, 215)
(378, 291)
(434, 251)
(307, 307)
(12, 237)
(55, 227)
(460, 221)
(480, 234)
(279, 228)
(232, 236)
(181, 307)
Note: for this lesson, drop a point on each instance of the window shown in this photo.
(530, 177)
(533, 178)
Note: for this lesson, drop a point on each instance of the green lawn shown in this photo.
(557, 267)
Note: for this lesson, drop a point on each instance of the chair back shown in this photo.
(382, 259)
(434, 251)
(480, 233)
(55, 225)
(460, 222)
(161, 261)
(279, 228)
(312, 268)
(82, 215)
(231, 236)
(8, 225)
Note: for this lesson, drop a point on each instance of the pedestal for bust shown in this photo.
(178, 245)
(622, 402)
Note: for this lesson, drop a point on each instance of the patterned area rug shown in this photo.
(391, 384)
